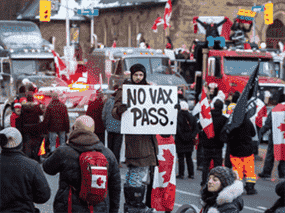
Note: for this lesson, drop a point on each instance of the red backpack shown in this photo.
(94, 178)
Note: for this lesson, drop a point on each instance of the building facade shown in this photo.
(125, 21)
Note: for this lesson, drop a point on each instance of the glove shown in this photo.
(122, 108)
(177, 106)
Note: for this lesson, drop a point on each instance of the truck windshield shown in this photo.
(245, 66)
(152, 65)
(34, 67)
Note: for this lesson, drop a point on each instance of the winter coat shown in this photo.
(227, 201)
(95, 110)
(187, 129)
(240, 140)
(111, 124)
(280, 203)
(65, 161)
(23, 182)
(141, 150)
(56, 117)
(219, 120)
(211, 31)
(29, 121)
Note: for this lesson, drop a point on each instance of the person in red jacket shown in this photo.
(95, 109)
(15, 115)
(56, 121)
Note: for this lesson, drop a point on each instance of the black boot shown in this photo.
(249, 187)
(134, 200)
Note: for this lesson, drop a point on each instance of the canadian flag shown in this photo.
(278, 128)
(206, 120)
(223, 30)
(157, 22)
(167, 14)
(164, 181)
(99, 177)
(261, 112)
(114, 44)
(59, 64)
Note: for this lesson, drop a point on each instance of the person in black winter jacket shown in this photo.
(241, 153)
(280, 203)
(240, 26)
(187, 129)
(213, 147)
(23, 182)
(65, 161)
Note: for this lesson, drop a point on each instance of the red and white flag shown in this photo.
(157, 22)
(167, 14)
(164, 181)
(206, 120)
(261, 112)
(223, 30)
(278, 128)
(114, 44)
(59, 64)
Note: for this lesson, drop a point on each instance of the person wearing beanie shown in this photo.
(64, 160)
(16, 114)
(187, 129)
(223, 191)
(212, 148)
(22, 177)
(141, 150)
(113, 126)
(30, 127)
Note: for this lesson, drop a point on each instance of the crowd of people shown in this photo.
(23, 182)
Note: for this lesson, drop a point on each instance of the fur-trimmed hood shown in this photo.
(229, 195)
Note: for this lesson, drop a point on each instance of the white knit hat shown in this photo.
(184, 105)
(13, 133)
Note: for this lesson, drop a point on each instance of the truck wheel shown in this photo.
(6, 117)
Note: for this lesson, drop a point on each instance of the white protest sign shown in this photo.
(151, 110)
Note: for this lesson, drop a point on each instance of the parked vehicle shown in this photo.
(24, 54)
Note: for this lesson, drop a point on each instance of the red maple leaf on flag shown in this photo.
(99, 181)
(282, 129)
(166, 165)
(206, 112)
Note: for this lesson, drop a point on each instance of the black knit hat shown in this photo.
(225, 175)
(136, 68)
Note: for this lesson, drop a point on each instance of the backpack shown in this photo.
(94, 177)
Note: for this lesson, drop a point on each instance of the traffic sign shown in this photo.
(258, 9)
(88, 12)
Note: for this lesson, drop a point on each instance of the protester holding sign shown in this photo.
(141, 150)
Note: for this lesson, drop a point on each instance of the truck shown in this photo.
(114, 64)
(23, 54)
(231, 68)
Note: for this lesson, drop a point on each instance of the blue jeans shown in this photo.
(269, 160)
(135, 175)
(52, 139)
(211, 40)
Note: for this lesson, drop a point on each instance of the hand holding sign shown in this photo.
(123, 108)
(151, 109)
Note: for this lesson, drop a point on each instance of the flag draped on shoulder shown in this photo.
(246, 104)
(167, 14)
(157, 22)
(164, 181)
(205, 116)
(278, 128)
(59, 64)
